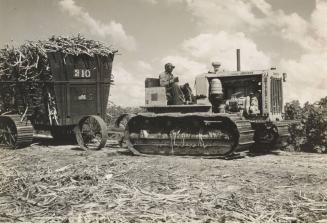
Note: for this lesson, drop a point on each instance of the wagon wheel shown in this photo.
(91, 133)
(8, 133)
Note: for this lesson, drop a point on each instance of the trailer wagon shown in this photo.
(68, 99)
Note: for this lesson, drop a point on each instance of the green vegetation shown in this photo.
(114, 111)
(310, 134)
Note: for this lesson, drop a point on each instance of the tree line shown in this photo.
(310, 132)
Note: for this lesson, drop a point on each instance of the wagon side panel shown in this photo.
(81, 85)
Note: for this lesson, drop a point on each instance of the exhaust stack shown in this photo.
(238, 59)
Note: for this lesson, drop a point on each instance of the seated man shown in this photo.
(176, 95)
(254, 105)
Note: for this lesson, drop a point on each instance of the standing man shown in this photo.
(175, 95)
(216, 66)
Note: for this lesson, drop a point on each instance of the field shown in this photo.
(47, 182)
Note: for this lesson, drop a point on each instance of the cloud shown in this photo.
(221, 46)
(198, 52)
(114, 30)
(263, 6)
(144, 66)
(223, 15)
(293, 28)
(153, 2)
(128, 88)
(319, 21)
(253, 17)
(307, 77)
(185, 68)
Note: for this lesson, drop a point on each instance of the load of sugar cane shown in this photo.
(26, 76)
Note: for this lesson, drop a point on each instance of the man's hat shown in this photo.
(216, 64)
(169, 65)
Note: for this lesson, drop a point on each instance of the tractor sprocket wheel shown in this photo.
(8, 133)
(14, 133)
(91, 133)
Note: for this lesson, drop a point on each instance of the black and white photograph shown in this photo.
(135, 111)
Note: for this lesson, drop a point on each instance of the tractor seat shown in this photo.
(152, 82)
(155, 95)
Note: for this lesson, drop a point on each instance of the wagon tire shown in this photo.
(91, 133)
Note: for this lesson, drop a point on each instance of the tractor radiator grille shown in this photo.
(276, 95)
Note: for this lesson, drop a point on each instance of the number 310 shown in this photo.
(82, 73)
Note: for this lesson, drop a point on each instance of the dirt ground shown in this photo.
(60, 183)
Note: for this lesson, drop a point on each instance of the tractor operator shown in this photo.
(176, 95)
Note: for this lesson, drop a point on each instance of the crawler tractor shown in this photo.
(234, 111)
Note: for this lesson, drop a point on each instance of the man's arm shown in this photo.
(166, 79)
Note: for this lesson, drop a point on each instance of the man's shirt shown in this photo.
(165, 79)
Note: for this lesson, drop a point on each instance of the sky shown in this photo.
(290, 35)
